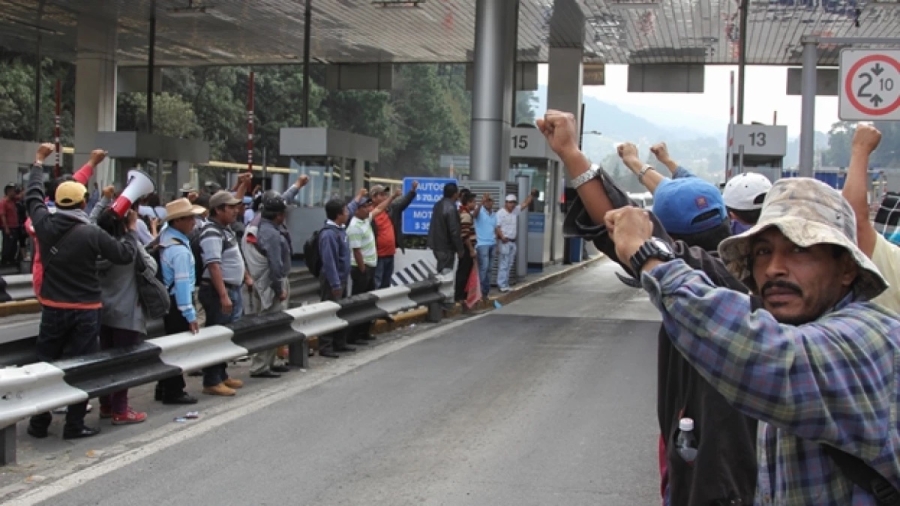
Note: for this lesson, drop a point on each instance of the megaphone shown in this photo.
(138, 185)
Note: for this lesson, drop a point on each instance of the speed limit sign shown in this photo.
(870, 85)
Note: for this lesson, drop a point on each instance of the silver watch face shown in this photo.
(662, 245)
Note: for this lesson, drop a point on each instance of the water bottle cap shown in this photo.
(686, 424)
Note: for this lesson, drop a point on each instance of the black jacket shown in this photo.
(69, 255)
(724, 472)
(444, 229)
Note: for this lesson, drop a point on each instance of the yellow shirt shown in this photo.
(886, 257)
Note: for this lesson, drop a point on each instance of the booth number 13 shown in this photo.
(758, 139)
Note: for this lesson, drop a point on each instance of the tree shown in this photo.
(839, 139)
(173, 116)
(17, 99)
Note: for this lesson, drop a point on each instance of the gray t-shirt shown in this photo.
(219, 246)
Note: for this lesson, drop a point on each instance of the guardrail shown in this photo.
(17, 339)
(16, 287)
(41, 387)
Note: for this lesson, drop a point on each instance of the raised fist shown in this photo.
(866, 138)
(44, 150)
(97, 156)
(661, 152)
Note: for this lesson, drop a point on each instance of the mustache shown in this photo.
(785, 285)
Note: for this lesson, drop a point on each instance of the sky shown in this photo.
(765, 93)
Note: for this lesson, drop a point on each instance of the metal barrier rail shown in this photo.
(41, 387)
(16, 287)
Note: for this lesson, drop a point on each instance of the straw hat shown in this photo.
(182, 207)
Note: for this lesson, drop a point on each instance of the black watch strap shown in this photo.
(652, 248)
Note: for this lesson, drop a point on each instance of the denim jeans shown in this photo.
(485, 259)
(209, 298)
(507, 257)
(66, 333)
(384, 271)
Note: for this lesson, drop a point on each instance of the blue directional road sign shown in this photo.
(417, 216)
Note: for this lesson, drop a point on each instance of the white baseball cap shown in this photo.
(511, 198)
(746, 191)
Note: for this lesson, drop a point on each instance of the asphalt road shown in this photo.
(549, 401)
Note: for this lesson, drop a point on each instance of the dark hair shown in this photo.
(153, 200)
(110, 222)
(53, 184)
(466, 196)
(334, 208)
(203, 201)
(450, 189)
(708, 239)
(749, 217)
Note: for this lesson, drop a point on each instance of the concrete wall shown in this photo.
(14, 154)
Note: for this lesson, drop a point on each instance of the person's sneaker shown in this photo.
(233, 383)
(65, 409)
(219, 389)
(504, 289)
(128, 417)
(105, 412)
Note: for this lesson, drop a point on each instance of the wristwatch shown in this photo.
(586, 176)
(640, 176)
(652, 248)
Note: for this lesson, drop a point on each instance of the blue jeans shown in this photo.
(384, 271)
(507, 257)
(209, 299)
(485, 259)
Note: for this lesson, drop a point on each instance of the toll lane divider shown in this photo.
(40, 387)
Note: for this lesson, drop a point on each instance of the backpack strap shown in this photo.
(55, 248)
(865, 477)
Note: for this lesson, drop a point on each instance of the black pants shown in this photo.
(173, 323)
(363, 281)
(444, 259)
(66, 333)
(10, 246)
(462, 276)
(338, 338)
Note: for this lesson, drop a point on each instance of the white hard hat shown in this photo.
(746, 191)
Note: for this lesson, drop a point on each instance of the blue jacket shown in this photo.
(335, 254)
(177, 264)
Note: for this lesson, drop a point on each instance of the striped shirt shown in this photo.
(361, 237)
(832, 382)
(466, 227)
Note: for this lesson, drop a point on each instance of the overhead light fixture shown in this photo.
(189, 11)
(397, 3)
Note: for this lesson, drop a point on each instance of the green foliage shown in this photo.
(17, 99)
(840, 138)
(426, 115)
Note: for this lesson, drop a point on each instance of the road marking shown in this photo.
(160, 439)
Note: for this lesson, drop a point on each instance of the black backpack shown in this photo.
(311, 254)
(208, 229)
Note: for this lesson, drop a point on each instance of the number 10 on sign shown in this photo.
(870, 85)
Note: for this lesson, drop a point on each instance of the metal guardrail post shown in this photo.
(435, 312)
(298, 354)
(8, 446)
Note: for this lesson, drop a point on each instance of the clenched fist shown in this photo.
(866, 138)
(629, 228)
(97, 156)
(661, 152)
(561, 132)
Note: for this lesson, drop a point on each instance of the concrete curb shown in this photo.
(18, 307)
(419, 315)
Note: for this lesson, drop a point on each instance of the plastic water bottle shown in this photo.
(686, 443)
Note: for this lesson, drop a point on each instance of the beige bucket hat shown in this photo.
(807, 212)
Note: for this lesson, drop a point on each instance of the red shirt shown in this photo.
(11, 213)
(385, 240)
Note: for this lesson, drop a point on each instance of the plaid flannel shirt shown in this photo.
(833, 381)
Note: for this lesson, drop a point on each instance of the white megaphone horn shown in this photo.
(139, 184)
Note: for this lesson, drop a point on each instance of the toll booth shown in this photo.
(335, 161)
(167, 160)
(531, 156)
(759, 148)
